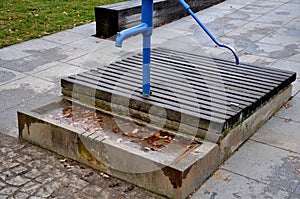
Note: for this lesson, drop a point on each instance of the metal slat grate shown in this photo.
(202, 89)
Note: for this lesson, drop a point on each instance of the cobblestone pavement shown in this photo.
(28, 171)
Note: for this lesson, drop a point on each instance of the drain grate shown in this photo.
(191, 94)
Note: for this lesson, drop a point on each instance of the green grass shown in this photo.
(22, 20)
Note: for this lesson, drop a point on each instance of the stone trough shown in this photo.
(199, 112)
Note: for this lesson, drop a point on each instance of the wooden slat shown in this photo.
(182, 83)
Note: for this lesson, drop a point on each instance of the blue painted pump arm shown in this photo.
(187, 7)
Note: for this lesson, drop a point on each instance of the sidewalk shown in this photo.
(265, 33)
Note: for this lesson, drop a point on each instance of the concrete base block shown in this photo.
(174, 173)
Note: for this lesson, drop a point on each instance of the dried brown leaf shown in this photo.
(288, 105)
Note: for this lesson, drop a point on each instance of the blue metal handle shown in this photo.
(187, 7)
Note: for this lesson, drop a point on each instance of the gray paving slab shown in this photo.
(64, 37)
(296, 88)
(288, 65)
(281, 40)
(267, 164)
(294, 23)
(286, 10)
(273, 19)
(42, 59)
(292, 112)
(55, 73)
(7, 75)
(8, 117)
(256, 60)
(87, 29)
(290, 31)
(89, 43)
(16, 92)
(224, 184)
(281, 133)
(295, 196)
(239, 15)
(99, 59)
(34, 45)
(214, 12)
(241, 2)
(8, 54)
(228, 5)
(297, 191)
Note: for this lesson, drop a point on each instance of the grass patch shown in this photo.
(22, 20)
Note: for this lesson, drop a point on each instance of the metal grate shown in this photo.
(201, 92)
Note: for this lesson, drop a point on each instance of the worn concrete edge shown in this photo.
(244, 129)
(175, 180)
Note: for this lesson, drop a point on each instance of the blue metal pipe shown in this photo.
(121, 36)
(144, 28)
(187, 7)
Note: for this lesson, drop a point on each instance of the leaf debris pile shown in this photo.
(92, 121)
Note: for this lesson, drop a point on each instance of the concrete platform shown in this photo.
(174, 166)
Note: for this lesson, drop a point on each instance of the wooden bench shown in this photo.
(113, 18)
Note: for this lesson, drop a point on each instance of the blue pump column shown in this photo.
(147, 18)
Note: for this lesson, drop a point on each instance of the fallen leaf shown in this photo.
(226, 177)
(288, 105)
(24, 84)
(115, 130)
(104, 175)
(217, 175)
(288, 120)
(147, 148)
(297, 171)
(135, 131)
(291, 158)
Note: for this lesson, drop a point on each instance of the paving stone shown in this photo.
(7, 75)
(64, 37)
(294, 196)
(34, 45)
(17, 181)
(272, 166)
(55, 73)
(297, 191)
(224, 184)
(44, 192)
(256, 60)
(9, 164)
(94, 60)
(89, 44)
(20, 195)
(43, 179)
(44, 59)
(3, 196)
(281, 133)
(19, 170)
(296, 88)
(87, 29)
(9, 124)
(5, 175)
(286, 10)
(18, 91)
(30, 188)
(9, 54)
(2, 185)
(8, 190)
(33, 173)
(291, 112)
(280, 40)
